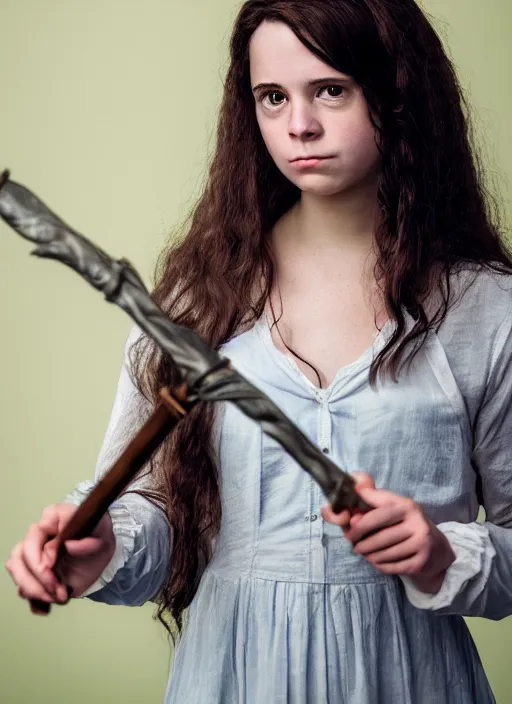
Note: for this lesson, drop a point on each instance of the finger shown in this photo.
(383, 539)
(33, 557)
(362, 479)
(409, 566)
(53, 520)
(28, 586)
(50, 520)
(395, 554)
(339, 519)
(375, 520)
(51, 551)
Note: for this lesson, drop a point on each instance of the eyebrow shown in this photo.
(312, 84)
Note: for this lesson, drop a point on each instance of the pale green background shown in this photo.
(108, 110)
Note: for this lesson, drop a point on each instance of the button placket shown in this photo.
(325, 428)
(317, 498)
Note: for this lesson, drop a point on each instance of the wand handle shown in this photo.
(171, 408)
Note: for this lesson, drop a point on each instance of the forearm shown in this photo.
(140, 563)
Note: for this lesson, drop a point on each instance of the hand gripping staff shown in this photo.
(204, 374)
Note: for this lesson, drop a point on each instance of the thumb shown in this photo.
(355, 518)
(363, 480)
(50, 553)
(85, 547)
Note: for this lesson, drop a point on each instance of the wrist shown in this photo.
(430, 579)
(430, 584)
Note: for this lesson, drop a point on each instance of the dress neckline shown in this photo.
(345, 372)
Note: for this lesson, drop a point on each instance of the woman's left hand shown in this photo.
(403, 541)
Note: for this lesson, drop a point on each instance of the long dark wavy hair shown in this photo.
(216, 277)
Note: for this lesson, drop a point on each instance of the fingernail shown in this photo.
(69, 594)
(62, 593)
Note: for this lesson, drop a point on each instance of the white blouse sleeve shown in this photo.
(140, 562)
(479, 582)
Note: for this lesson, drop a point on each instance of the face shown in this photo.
(313, 119)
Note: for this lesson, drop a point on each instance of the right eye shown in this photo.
(274, 98)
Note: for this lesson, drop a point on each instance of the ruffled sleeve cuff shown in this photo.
(474, 553)
(125, 530)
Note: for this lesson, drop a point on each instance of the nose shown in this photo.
(303, 123)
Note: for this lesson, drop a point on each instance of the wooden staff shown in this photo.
(172, 407)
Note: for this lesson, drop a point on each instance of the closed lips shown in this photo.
(308, 158)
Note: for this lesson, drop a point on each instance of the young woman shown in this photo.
(345, 258)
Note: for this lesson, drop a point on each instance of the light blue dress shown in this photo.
(285, 612)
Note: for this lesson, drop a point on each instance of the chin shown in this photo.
(323, 189)
(322, 185)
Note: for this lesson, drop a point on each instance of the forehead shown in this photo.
(277, 55)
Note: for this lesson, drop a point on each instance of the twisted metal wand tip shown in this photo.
(4, 177)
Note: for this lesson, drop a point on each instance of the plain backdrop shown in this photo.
(108, 112)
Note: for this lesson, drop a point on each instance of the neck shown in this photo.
(324, 246)
(346, 221)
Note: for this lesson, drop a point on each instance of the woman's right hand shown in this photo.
(32, 560)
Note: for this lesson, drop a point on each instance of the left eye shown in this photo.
(332, 91)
